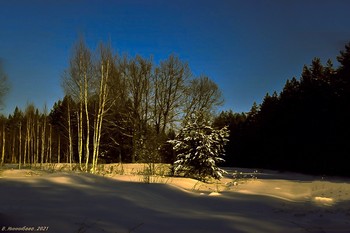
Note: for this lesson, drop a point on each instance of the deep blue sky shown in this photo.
(247, 47)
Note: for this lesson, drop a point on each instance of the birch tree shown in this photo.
(37, 133)
(29, 140)
(106, 65)
(58, 147)
(77, 83)
(49, 149)
(70, 138)
(13, 124)
(43, 137)
(20, 145)
(3, 135)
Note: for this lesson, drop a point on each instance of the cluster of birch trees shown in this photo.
(115, 108)
(29, 138)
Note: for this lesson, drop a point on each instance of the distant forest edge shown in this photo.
(122, 109)
(305, 128)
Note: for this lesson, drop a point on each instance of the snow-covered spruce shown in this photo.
(199, 148)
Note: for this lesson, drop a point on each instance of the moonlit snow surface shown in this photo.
(71, 202)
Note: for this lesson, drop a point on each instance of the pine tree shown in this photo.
(199, 147)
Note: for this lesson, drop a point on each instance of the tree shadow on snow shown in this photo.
(89, 203)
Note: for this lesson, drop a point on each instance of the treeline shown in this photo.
(125, 109)
(116, 108)
(305, 128)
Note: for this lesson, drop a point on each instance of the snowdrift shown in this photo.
(79, 202)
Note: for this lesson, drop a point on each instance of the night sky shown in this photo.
(247, 47)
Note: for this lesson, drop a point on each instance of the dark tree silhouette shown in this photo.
(305, 128)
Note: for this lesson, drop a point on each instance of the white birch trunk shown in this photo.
(59, 148)
(13, 157)
(43, 133)
(99, 118)
(80, 135)
(3, 145)
(70, 139)
(20, 146)
(50, 144)
(87, 149)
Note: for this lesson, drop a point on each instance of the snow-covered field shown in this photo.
(79, 202)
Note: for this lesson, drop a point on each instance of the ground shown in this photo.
(115, 202)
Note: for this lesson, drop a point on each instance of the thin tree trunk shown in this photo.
(43, 133)
(70, 138)
(20, 146)
(94, 143)
(87, 149)
(32, 158)
(96, 124)
(50, 144)
(80, 135)
(37, 142)
(134, 145)
(76, 83)
(27, 152)
(3, 145)
(13, 157)
(100, 114)
(25, 149)
(59, 148)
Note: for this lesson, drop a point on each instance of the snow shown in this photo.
(80, 202)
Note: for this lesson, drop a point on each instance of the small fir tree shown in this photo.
(198, 147)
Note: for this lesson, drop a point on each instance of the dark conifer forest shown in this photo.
(122, 109)
(305, 128)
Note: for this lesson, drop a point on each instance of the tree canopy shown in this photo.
(115, 109)
(125, 109)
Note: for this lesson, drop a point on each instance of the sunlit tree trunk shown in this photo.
(43, 133)
(94, 151)
(13, 157)
(87, 149)
(37, 147)
(80, 135)
(32, 129)
(27, 153)
(76, 84)
(25, 148)
(3, 145)
(59, 148)
(70, 143)
(20, 146)
(101, 112)
(50, 144)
